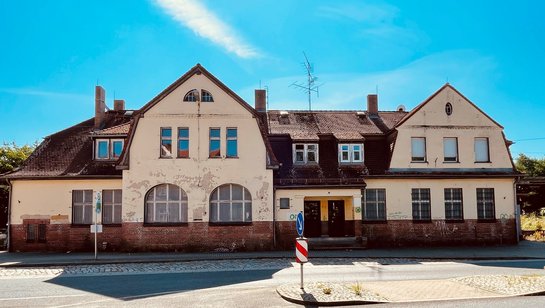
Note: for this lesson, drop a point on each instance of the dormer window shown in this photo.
(206, 96)
(305, 153)
(351, 153)
(108, 149)
(191, 96)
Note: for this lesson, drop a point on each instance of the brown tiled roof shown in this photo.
(344, 125)
(122, 129)
(69, 153)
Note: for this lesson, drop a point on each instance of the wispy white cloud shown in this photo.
(409, 84)
(197, 17)
(361, 12)
(44, 94)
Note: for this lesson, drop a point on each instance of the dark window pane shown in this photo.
(237, 212)
(215, 132)
(215, 148)
(117, 148)
(102, 149)
(183, 133)
(166, 132)
(183, 148)
(237, 192)
(225, 212)
(231, 133)
(232, 148)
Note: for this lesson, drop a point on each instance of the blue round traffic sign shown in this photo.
(300, 224)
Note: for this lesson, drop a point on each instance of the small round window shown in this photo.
(448, 109)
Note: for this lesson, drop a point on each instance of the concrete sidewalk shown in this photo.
(524, 250)
(472, 287)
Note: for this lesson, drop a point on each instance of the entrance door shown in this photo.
(336, 217)
(312, 219)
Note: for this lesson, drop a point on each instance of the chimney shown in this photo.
(100, 106)
(119, 104)
(260, 100)
(372, 105)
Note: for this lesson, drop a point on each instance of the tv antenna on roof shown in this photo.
(310, 86)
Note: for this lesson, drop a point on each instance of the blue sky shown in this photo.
(54, 53)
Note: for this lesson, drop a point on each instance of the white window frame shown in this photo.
(420, 204)
(487, 149)
(215, 138)
(112, 141)
(351, 152)
(453, 202)
(206, 96)
(235, 139)
(305, 153)
(108, 155)
(151, 203)
(486, 205)
(378, 205)
(165, 138)
(450, 159)
(216, 203)
(419, 159)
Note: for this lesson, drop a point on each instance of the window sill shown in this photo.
(231, 157)
(419, 162)
(421, 221)
(451, 162)
(350, 163)
(165, 157)
(165, 224)
(491, 220)
(80, 225)
(375, 222)
(112, 225)
(229, 223)
(306, 164)
(483, 162)
(182, 157)
(453, 221)
(214, 157)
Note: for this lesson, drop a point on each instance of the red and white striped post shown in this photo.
(301, 254)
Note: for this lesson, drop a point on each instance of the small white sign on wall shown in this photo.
(292, 216)
(98, 227)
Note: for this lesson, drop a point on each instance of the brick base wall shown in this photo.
(257, 236)
(438, 232)
(139, 237)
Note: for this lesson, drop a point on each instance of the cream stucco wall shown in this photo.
(197, 175)
(51, 199)
(466, 123)
(352, 198)
(398, 195)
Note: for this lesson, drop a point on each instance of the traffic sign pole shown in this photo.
(98, 205)
(301, 244)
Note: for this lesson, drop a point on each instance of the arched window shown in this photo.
(206, 96)
(191, 96)
(230, 203)
(166, 203)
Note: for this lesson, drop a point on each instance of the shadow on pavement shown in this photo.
(128, 287)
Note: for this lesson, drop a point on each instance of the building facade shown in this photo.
(199, 169)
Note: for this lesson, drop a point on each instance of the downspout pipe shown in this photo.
(8, 226)
(274, 217)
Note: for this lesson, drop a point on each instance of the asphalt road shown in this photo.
(249, 288)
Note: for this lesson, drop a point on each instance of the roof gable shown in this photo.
(197, 70)
(432, 111)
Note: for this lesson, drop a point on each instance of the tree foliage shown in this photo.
(530, 166)
(11, 157)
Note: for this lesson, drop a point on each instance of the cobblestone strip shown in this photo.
(506, 284)
(194, 266)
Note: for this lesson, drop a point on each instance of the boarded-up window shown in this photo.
(111, 206)
(82, 206)
(481, 150)
(418, 149)
(450, 149)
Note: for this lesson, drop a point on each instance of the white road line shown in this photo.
(41, 297)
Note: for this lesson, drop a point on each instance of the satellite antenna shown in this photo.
(310, 86)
